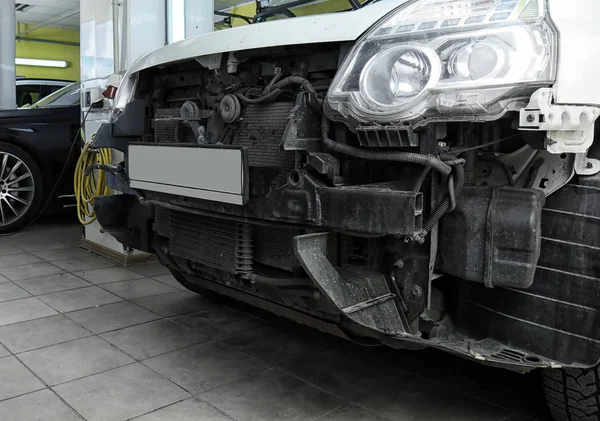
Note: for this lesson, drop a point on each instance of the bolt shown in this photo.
(399, 264)
(442, 144)
(417, 291)
(531, 118)
(589, 165)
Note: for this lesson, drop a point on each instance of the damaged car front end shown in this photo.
(413, 173)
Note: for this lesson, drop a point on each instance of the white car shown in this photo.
(412, 173)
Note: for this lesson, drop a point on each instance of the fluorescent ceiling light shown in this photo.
(40, 62)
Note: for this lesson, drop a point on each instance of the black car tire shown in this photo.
(572, 394)
(38, 192)
(206, 293)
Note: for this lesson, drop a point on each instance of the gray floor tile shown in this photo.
(78, 299)
(205, 366)
(274, 346)
(120, 394)
(3, 352)
(3, 279)
(72, 360)
(111, 317)
(343, 375)
(419, 400)
(188, 410)
(107, 275)
(175, 303)
(154, 338)
(34, 270)
(150, 269)
(22, 310)
(10, 291)
(271, 395)
(18, 260)
(221, 321)
(52, 283)
(8, 249)
(62, 254)
(38, 406)
(352, 413)
(16, 379)
(169, 280)
(32, 246)
(25, 336)
(83, 263)
(138, 288)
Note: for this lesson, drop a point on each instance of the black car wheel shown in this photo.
(20, 188)
(572, 394)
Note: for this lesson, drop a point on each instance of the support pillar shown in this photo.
(8, 97)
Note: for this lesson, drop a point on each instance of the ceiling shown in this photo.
(65, 13)
(57, 13)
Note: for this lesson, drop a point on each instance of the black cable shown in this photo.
(406, 157)
(484, 145)
(60, 176)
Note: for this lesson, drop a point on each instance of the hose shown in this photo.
(406, 157)
(457, 181)
(88, 185)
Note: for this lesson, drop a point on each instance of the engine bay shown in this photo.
(394, 233)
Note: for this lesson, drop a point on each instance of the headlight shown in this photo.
(439, 58)
(125, 94)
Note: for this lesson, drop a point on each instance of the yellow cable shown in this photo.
(88, 187)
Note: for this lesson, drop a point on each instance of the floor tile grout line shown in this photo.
(231, 417)
(158, 409)
(320, 417)
(46, 384)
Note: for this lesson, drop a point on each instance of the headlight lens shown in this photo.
(125, 94)
(438, 58)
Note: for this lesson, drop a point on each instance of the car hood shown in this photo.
(332, 27)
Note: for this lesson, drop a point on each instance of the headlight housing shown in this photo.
(125, 94)
(445, 59)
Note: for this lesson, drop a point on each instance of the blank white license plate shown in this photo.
(205, 172)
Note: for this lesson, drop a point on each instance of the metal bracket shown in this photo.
(359, 294)
(585, 165)
(570, 128)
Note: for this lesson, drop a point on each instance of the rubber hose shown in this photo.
(271, 95)
(295, 80)
(406, 157)
(442, 208)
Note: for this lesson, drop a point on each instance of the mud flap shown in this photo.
(360, 294)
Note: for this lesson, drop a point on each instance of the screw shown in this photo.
(417, 291)
(399, 264)
(589, 165)
(531, 118)
(442, 144)
(165, 249)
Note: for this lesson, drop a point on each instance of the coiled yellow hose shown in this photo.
(88, 187)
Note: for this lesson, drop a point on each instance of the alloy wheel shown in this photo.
(17, 188)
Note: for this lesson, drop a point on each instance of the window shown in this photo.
(28, 94)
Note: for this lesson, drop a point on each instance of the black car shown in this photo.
(34, 149)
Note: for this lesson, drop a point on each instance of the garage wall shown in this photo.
(40, 50)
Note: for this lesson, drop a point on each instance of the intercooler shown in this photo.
(222, 244)
(213, 242)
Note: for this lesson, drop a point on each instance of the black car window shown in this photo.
(28, 94)
(64, 97)
(49, 89)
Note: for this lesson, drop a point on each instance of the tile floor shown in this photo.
(81, 338)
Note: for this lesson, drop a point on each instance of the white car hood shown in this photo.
(332, 27)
